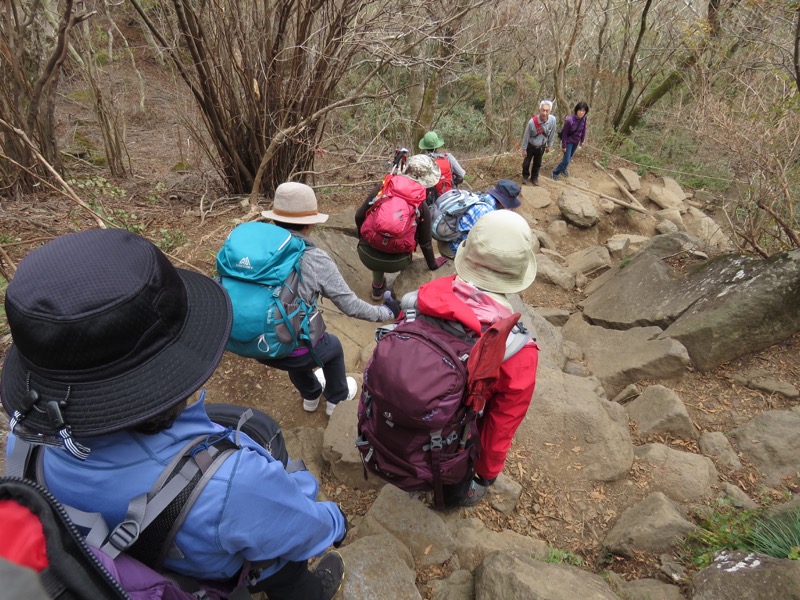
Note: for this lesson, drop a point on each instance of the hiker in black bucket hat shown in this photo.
(110, 344)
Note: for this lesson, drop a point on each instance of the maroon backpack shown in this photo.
(415, 429)
(391, 221)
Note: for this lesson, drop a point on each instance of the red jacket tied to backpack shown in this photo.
(446, 180)
(391, 222)
(511, 395)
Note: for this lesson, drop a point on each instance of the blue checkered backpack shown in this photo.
(259, 266)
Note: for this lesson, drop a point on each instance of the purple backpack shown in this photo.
(414, 429)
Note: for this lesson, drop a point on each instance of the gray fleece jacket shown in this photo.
(320, 276)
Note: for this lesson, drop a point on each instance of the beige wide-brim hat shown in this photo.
(295, 203)
(497, 255)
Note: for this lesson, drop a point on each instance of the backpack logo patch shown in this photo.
(244, 263)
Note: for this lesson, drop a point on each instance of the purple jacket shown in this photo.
(574, 131)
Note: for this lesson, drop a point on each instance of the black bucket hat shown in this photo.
(106, 334)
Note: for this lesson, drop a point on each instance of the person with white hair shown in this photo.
(538, 138)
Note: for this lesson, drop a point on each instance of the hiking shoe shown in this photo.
(352, 390)
(474, 495)
(376, 293)
(555, 177)
(310, 405)
(535, 181)
(330, 572)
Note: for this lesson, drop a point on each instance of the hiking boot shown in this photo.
(352, 389)
(474, 495)
(376, 293)
(555, 177)
(330, 572)
(310, 405)
(535, 181)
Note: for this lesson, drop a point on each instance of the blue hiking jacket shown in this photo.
(252, 509)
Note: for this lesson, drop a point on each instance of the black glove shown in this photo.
(391, 303)
(338, 543)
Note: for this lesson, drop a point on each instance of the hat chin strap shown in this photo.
(52, 409)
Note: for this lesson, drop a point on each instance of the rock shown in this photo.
(459, 586)
(737, 497)
(636, 354)
(547, 270)
(748, 576)
(505, 575)
(419, 528)
(758, 379)
(665, 227)
(577, 208)
(629, 393)
(545, 241)
(556, 316)
(673, 215)
(588, 260)
(673, 187)
(664, 198)
(474, 541)
(342, 222)
(557, 228)
(338, 448)
(630, 178)
(607, 206)
(769, 441)
(574, 432)
(706, 229)
(659, 410)
(625, 244)
(656, 524)
(716, 446)
(650, 589)
(536, 197)
(376, 568)
(504, 494)
(618, 247)
(683, 476)
(739, 298)
(305, 443)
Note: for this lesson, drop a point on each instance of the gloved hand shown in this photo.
(391, 303)
(439, 262)
(338, 543)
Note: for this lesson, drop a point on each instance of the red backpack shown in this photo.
(391, 222)
(446, 180)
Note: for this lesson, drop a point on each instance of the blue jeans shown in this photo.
(301, 370)
(564, 164)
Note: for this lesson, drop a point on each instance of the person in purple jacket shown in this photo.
(572, 137)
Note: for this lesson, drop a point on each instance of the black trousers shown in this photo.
(535, 153)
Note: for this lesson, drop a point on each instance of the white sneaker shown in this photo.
(311, 405)
(352, 390)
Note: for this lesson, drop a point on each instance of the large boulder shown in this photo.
(656, 524)
(619, 358)
(683, 476)
(578, 208)
(659, 410)
(507, 575)
(748, 576)
(571, 430)
(378, 567)
(748, 304)
(769, 441)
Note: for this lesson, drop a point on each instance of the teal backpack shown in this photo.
(259, 266)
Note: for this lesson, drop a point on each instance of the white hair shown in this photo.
(549, 104)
